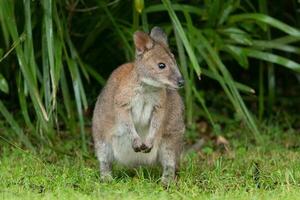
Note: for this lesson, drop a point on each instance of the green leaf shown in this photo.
(8, 9)
(73, 68)
(3, 84)
(237, 35)
(15, 126)
(264, 44)
(176, 7)
(272, 58)
(183, 36)
(183, 63)
(95, 74)
(237, 54)
(202, 102)
(227, 9)
(257, 17)
(23, 103)
(238, 85)
(286, 39)
(118, 30)
(230, 89)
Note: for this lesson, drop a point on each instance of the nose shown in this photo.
(180, 82)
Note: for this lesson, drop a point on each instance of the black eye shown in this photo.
(161, 65)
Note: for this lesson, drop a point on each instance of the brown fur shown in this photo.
(140, 105)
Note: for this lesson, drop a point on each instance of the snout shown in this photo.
(180, 82)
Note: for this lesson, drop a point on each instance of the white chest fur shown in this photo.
(142, 106)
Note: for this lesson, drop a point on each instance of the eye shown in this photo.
(161, 65)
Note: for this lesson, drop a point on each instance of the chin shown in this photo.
(171, 86)
(152, 83)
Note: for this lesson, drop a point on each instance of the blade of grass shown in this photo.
(216, 73)
(286, 39)
(95, 75)
(261, 97)
(46, 84)
(28, 45)
(202, 102)
(184, 69)
(240, 86)
(48, 25)
(236, 98)
(73, 69)
(175, 7)
(67, 101)
(119, 32)
(76, 73)
(13, 46)
(7, 9)
(23, 104)
(265, 44)
(76, 86)
(263, 7)
(3, 84)
(9, 118)
(273, 58)
(4, 30)
(183, 36)
(255, 17)
(238, 55)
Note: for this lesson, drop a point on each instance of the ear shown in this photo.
(142, 42)
(159, 35)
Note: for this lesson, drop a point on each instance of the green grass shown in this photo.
(215, 175)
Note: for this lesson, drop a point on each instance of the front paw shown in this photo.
(137, 144)
(147, 146)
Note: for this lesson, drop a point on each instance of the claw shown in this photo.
(137, 145)
(144, 147)
(147, 149)
(136, 149)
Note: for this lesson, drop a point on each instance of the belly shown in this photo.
(124, 153)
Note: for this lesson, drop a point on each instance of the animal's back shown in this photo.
(103, 118)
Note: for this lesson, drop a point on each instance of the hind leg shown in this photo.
(169, 157)
(168, 161)
(105, 156)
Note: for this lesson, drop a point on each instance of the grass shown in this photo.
(269, 171)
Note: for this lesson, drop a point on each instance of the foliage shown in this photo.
(53, 52)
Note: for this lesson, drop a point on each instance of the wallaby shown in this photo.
(138, 117)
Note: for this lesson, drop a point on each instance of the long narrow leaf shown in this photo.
(9, 118)
(183, 36)
(34, 93)
(240, 86)
(264, 44)
(237, 100)
(273, 59)
(266, 19)
(176, 7)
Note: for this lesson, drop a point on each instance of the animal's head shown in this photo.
(156, 65)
